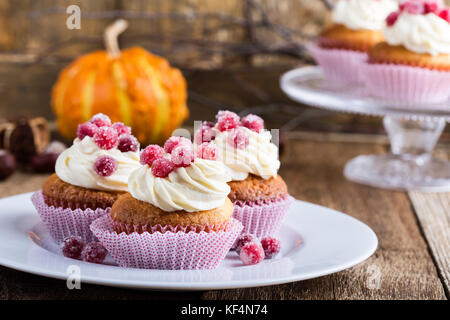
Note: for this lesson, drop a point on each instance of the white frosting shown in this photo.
(420, 33)
(363, 14)
(198, 187)
(75, 165)
(259, 157)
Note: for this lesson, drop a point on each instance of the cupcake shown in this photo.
(357, 27)
(259, 195)
(176, 214)
(89, 176)
(413, 65)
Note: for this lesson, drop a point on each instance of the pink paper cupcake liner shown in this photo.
(338, 64)
(166, 250)
(262, 218)
(62, 223)
(406, 84)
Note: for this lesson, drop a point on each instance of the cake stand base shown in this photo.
(394, 172)
(410, 165)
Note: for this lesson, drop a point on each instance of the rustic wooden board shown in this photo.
(313, 172)
(433, 213)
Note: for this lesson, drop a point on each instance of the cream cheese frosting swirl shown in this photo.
(363, 14)
(200, 186)
(75, 165)
(419, 33)
(259, 157)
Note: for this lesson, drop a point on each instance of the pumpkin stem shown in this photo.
(111, 34)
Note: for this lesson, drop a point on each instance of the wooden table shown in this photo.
(413, 257)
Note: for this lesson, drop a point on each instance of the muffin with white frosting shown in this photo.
(413, 64)
(259, 195)
(357, 27)
(89, 176)
(176, 215)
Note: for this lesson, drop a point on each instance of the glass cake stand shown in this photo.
(413, 132)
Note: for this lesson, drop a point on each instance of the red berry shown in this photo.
(431, 7)
(86, 129)
(121, 128)
(271, 247)
(207, 151)
(243, 239)
(101, 120)
(127, 143)
(174, 141)
(182, 156)
(105, 166)
(204, 134)
(72, 247)
(445, 14)
(151, 153)
(413, 7)
(106, 138)
(252, 253)
(94, 252)
(253, 122)
(208, 124)
(227, 120)
(238, 138)
(392, 18)
(162, 167)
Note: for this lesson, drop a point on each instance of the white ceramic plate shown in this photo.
(316, 241)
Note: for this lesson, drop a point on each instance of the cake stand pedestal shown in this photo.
(413, 131)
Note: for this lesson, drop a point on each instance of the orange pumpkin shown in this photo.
(133, 86)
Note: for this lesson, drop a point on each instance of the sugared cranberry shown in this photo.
(105, 166)
(175, 141)
(151, 153)
(162, 167)
(208, 124)
(227, 120)
(86, 129)
(445, 14)
(7, 164)
(94, 252)
(182, 156)
(207, 151)
(271, 247)
(106, 138)
(392, 18)
(101, 120)
(253, 122)
(431, 7)
(204, 134)
(121, 128)
(413, 7)
(243, 239)
(72, 247)
(127, 143)
(238, 138)
(252, 253)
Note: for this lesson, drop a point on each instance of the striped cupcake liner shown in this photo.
(168, 250)
(62, 223)
(262, 218)
(406, 84)
(338, 65)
